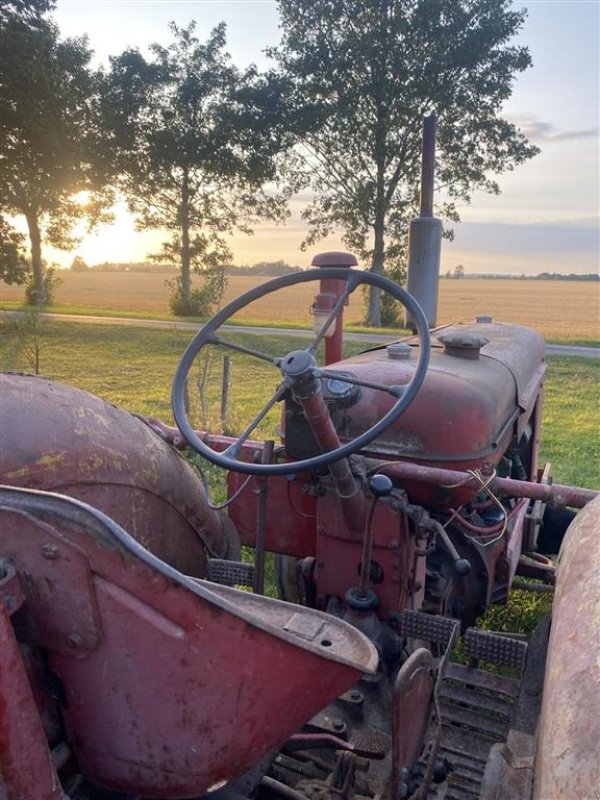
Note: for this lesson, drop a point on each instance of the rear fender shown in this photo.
(568, 753)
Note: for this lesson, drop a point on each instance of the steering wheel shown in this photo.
(299, 371)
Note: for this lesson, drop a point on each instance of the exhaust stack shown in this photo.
(425, 237)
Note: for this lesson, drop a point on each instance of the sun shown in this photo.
(82, 198)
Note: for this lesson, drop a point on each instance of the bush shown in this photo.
(197, 305)
(51, 283)
(391, 312)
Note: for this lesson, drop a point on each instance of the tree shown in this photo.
(49, 136)
(372, 70)
(79, 265)
(27, 11)
(13, 264)
(459, 271)
(194, 147)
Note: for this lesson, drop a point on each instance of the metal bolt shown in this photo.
(50, 551)
(9, 602)
(74, 640)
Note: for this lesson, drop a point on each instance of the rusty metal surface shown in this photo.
(292, 530)
(448, 480)
(339, 556)
(61, 439)
(412, 700)
(26, 769)
(56, 580)
(11, 594)
(164, 706)
(465, 408)
(568, 755)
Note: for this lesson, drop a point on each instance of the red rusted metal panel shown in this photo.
(412, 700)
(568, 753)
(26, 769)
(290, 527)
(467, 410)
(172, 701)
(61, 439)
(339, 554)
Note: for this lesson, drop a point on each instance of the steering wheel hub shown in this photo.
(297, 364)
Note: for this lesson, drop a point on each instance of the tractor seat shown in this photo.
(167, 680)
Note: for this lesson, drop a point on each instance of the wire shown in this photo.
(234, 496)
(471, 529)
(293, 506)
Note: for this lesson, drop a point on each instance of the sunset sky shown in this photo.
(546, 218)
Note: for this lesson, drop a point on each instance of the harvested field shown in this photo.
(564, 311)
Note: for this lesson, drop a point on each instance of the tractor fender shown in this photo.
(61, 439)
(568, 751)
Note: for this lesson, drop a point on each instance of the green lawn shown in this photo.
(133, 367)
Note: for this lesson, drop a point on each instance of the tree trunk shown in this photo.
(374, 315)
(37, 267)
(185, 241)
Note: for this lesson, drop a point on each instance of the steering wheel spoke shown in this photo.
(248, 351)
(233, 450)
(299, 373)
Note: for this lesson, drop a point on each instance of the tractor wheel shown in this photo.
(289, 581)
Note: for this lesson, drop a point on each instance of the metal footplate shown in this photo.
(497, 648)
(477, 710)
(230, 573)
(434, 629)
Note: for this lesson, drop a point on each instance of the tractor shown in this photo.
(144, 656)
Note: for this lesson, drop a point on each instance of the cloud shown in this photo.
(540, 131)
(577, 238)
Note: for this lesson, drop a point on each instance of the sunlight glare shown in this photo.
(82, 197)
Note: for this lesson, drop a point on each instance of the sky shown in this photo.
(546, 218)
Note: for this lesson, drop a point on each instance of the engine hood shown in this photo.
(474, 399)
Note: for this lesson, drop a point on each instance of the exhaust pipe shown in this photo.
(425, 238)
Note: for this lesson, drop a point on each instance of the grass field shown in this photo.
(563, 311)
(134, 367)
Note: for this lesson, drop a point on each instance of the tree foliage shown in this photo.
(27, 11)
(49, 136)
(79, 265)
(371, 70)
(13, 264)
(194, 146)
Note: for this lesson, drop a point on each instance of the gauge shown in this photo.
(337, 387)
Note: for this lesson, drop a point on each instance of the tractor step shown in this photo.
(230, 573)
(480, 711)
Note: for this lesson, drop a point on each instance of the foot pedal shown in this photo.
(230, 573)
(497, 648)
(435, 629)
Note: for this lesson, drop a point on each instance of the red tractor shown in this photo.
(403, 498)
